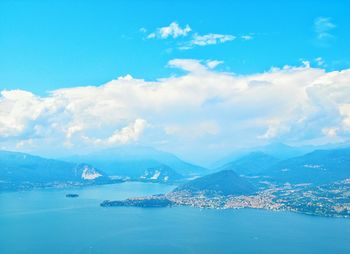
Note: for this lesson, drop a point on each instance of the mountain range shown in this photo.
(138, 162)
(278, 150)
(316, 167)
(21, 170)
(251, 164)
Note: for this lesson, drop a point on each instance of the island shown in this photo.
(149, 201)
(72, 195)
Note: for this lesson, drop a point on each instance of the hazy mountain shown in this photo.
(278, 150)
(133, 161)
(283, 151)
(20, 169)
(320, 166)
(251, 164)
(162, 174)
(224, 182)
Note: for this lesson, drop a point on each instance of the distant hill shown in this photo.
(320, 166)
(20, 169)
(135, 161)
(251, 164)
(278, 150)
(224, 182)
(283, 151)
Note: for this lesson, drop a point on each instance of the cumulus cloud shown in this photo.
(344, 111)
(199, 110)
(19, 110)
(122, 136)
(173, 30)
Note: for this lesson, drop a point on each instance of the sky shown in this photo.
(196, 78)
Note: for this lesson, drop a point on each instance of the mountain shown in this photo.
(20, 170)
(162, 174)
(135, 161)
(251, 164)
(318, 167)
(278, 150)
(225, 182)
(283, 151)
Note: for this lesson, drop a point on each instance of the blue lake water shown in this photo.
(45, 221)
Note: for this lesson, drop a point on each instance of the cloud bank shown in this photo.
(199, 112)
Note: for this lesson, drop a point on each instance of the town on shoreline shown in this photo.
(329, 200)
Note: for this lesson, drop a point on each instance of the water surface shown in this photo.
(45, 221)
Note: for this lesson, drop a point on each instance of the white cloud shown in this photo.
(143, 30)
(330, 132)
(247, 37)
(191, 65)
(213, 63)
(323, 27)
(151, 36)
(198, 110)
(126, 77)
(275, 127)
(173, 30)
(210, 39)
(193, 131)
(319, 61)
(344, 111)
(306, 63)
(126, 134)
(18, 110)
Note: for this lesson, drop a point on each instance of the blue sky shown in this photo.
(196, 78)
(45, 45)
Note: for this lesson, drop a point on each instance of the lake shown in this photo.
(45, 221)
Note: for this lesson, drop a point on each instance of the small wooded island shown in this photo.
(149, 201)
(72, 195)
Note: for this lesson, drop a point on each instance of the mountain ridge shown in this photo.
(225, 182)
(134, 161)
(21, 169)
